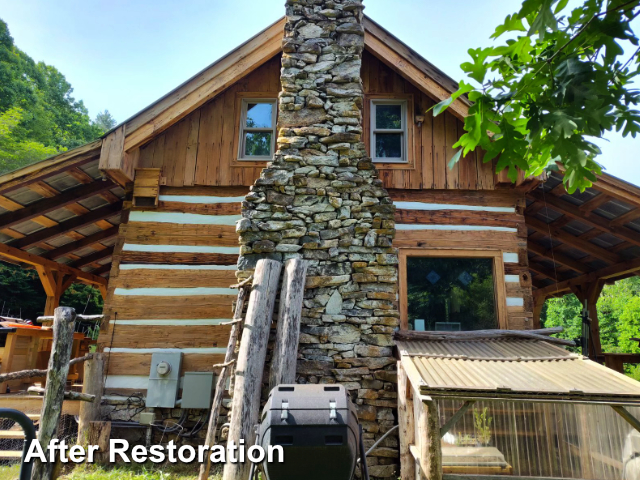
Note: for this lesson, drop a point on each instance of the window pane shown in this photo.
(388, 117)
(450, 293)
(389, 145)
(259, 115)
(257, 144)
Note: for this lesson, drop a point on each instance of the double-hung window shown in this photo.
(389, 130)
(257, 129)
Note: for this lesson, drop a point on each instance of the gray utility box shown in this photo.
(164, 379)
(197, 388)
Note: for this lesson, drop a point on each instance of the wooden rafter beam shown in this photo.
(545, 272)
(557, 257)
(52, 166)
(610, 272)
(84, 242)
(94, 257)
(569, 239)
(16, 254)
(102, 270)
(589, 218)
(68, 225)
(626, 218)
(47, 205)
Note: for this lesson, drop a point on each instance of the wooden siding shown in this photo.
(485, 222)
(202, 149)
(164, 291)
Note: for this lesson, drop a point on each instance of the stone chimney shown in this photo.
(321, 199)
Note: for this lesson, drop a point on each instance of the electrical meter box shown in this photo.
(164, 379)
(197, 390)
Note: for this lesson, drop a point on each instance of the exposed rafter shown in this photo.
(557, 257)
(94, 257)
(576, 242)
(588, 218)
(84, 242)
(47, 205)
(71, 224)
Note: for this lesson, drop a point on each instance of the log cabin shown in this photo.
(312, 140)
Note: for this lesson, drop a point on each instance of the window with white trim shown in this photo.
(257, 129)
(389, 130)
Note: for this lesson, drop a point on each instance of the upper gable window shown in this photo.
(257, 129)
(389, 131)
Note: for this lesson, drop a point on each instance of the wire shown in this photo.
(113, 332)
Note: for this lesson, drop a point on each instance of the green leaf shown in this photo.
(512, 23)
(438, 108)
(455, 159)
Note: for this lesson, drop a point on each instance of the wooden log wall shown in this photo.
(169, 285)
(202, 149)
(477, 221)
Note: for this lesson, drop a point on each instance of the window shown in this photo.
(258, 129)
(449, 293)
(389, 131)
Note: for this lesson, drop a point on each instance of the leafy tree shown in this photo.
(22, 295)
(105, 121)
(38, 113)
(559, 78)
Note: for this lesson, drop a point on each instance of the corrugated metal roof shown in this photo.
(511, 367)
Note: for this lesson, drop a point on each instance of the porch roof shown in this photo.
(510, 368)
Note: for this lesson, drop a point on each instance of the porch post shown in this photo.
(538, 304)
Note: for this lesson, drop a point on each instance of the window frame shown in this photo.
(499, 283)
(404, 103)
(244, 129)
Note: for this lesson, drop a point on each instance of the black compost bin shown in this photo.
(318, 429)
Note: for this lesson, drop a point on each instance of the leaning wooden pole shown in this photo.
(285, 353)
(93, 385)
(250, 364)
(222, 379)
(58, 370)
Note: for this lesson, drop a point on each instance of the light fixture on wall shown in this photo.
(419, 120)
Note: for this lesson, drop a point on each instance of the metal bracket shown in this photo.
(333, 414)
(284, 415)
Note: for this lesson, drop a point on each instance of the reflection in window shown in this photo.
(450, 294)
(388, 130)
(257, 136)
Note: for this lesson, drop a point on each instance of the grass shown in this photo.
(121, 472)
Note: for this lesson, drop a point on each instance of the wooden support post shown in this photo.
(58, 369)
(589, 293)
(538, 304)
(222, 379)
(54, 284)
(430, 449)
(407, 426)
(99, 434)
(285, 353)
(93, 385)
(250, 363)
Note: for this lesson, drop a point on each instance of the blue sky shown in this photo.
(122, 55)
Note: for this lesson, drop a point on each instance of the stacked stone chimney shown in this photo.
(321, 199)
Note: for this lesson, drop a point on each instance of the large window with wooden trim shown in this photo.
(389, 139)
(257, 129)
(452, 290)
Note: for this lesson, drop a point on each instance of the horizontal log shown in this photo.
(458, 217)
(201, 208)
(457, 239)
(82, 318)
(155, 233)
(205, 191)
(128, 308)
(179, 258)
(175, 278)
(84, 397)
(140, 364)
(460, 197)
(191, 336)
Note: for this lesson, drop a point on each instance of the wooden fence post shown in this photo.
(222, 379)
(407, 426)
(285, 353)
(93, 385)
(250, 364)
(58, 369)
